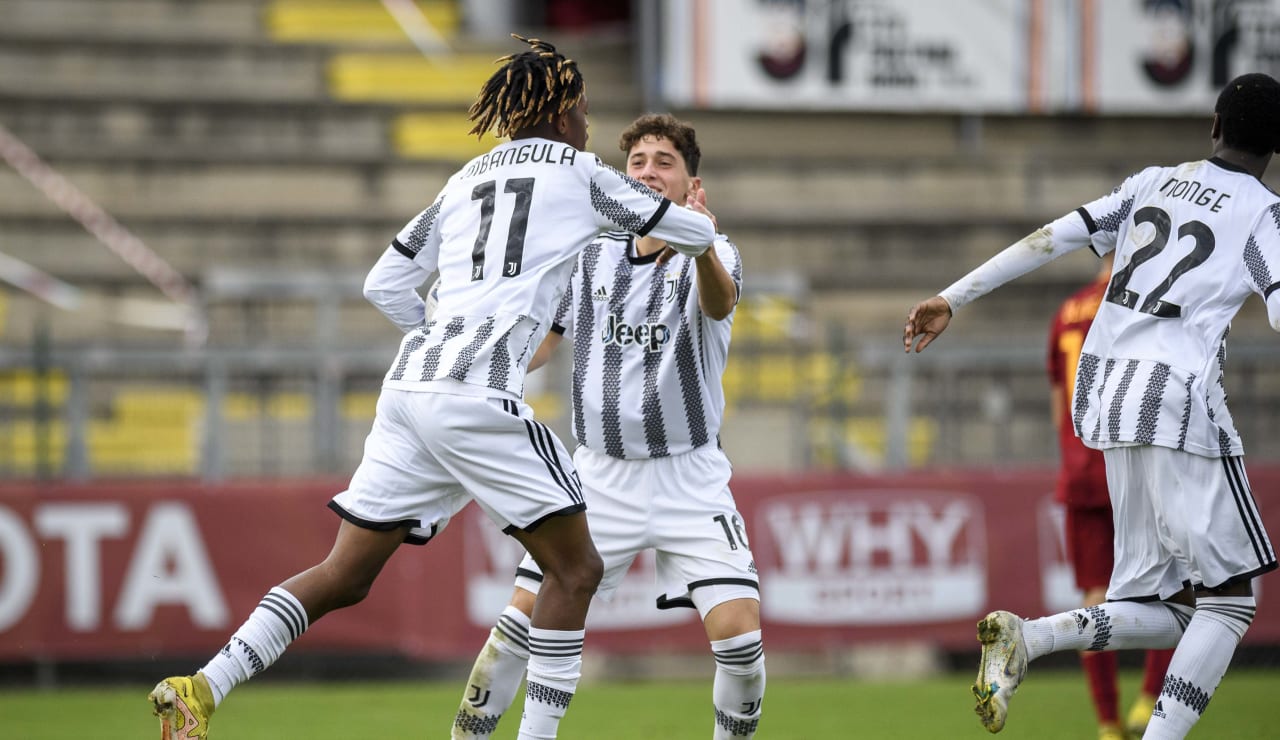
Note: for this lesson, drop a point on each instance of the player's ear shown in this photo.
(1215, 132)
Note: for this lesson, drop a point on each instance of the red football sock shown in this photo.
(1153, 673)
(1100, 672)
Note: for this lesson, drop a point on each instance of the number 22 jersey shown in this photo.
(504, 233)
(1192, 242)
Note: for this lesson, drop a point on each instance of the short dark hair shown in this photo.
(531, 87)
(1249, 111)
(666, 126)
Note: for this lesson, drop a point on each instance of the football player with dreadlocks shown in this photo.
(451, 423)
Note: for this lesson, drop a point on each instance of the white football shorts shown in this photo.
(430, 453)
(1182, 519)
(679, 506)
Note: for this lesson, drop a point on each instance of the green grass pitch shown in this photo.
(1051, 705)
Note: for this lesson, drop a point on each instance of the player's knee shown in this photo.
(579, 575)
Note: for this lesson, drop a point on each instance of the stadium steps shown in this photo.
(106, 132)
(131, 20)
(128, 70)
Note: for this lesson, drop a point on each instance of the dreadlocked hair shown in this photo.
(531, 87)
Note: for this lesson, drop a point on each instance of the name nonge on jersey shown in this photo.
(649, 335)
(520, 155)
(1192, 191)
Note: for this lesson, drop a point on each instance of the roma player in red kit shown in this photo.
(1082, 489)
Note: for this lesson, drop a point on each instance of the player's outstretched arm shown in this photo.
(925, 321)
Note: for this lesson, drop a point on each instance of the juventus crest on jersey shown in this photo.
(646, 361)
(1192, 242)
(503, 234)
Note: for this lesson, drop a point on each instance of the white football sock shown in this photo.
(1115, 625)
(278, 620)
(738, 690)
(495, 677)
(555, 664)
(1199, 664)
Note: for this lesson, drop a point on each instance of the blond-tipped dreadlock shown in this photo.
(531, 87)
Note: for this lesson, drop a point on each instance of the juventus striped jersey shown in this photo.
(1191, 242)
(646, 361)
(503, 234)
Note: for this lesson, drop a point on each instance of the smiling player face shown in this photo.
(655, 161)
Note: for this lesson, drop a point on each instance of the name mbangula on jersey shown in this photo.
(520, 155)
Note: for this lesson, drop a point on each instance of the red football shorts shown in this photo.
(1091, 538)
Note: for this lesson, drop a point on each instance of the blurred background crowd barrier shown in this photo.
(194, 191)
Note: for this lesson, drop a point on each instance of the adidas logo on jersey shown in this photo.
(1159, 709)
(649, 335)
(600, 295)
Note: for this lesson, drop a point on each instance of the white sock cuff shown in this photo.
(552, 644)
(741, 654)
(1233, 612)
(285, 606)
(555, 657)
(511, 633)
(517, 616)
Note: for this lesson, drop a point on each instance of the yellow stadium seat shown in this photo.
(437, 136)
(359, 406)
(20, 387)
(408, 78)
(165, 406)
(283, 406)
(350, 21)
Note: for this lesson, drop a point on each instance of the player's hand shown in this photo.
(925, 321)
(697, 200)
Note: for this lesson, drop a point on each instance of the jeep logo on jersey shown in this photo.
(490, 562)
(649, 335)
(871, 557)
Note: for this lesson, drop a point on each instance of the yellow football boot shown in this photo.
(183, 704)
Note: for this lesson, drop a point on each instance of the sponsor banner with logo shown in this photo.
(997, 56)
(926, 54)
(1176, 55)
(124, 569)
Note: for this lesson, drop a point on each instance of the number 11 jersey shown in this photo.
(1192, 242)
(504, 233)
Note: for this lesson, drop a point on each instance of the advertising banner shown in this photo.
(864, 54)
(137, 569)
(1158, 57)
(1175, 55)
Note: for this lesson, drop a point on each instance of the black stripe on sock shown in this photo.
(288, 623)
(513, 630)
(292, 607)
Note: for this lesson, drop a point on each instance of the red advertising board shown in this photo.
(130, 569)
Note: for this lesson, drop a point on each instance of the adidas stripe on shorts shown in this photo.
(1182, 518)
(681, 507)
(430, 453)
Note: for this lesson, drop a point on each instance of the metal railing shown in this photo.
(78, 412)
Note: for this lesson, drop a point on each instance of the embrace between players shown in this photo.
(531, 249)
